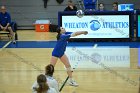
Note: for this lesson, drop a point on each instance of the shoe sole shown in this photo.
(74, 85)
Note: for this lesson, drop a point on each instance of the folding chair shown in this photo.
(6, 33)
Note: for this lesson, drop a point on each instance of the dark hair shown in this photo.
(42, 82)
(115, 3)
(58, 31)
(101, 3)
(49, 70)
(70, 1)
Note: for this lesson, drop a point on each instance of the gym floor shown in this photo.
(20, 64)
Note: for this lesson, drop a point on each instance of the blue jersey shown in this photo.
(61, 44)
(5, 18)
(90, 4)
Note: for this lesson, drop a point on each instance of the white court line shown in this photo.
(5, 45)
(95, 45)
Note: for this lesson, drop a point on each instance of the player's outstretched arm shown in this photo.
(79, 33)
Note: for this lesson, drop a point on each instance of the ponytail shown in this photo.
(49, 70)
(58, 31)
(43, 86)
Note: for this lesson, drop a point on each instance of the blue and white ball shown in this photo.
(80, 13)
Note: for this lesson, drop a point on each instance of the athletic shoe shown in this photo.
(72, 83)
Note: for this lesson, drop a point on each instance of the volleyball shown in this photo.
(79, 13)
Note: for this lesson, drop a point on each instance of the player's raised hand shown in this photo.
(85, 32)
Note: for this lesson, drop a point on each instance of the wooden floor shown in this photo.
(19, 68)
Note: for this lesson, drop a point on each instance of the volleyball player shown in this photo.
(59, 51)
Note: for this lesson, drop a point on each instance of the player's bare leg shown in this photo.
(12, 34)
(65, 61)
(53, 60)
